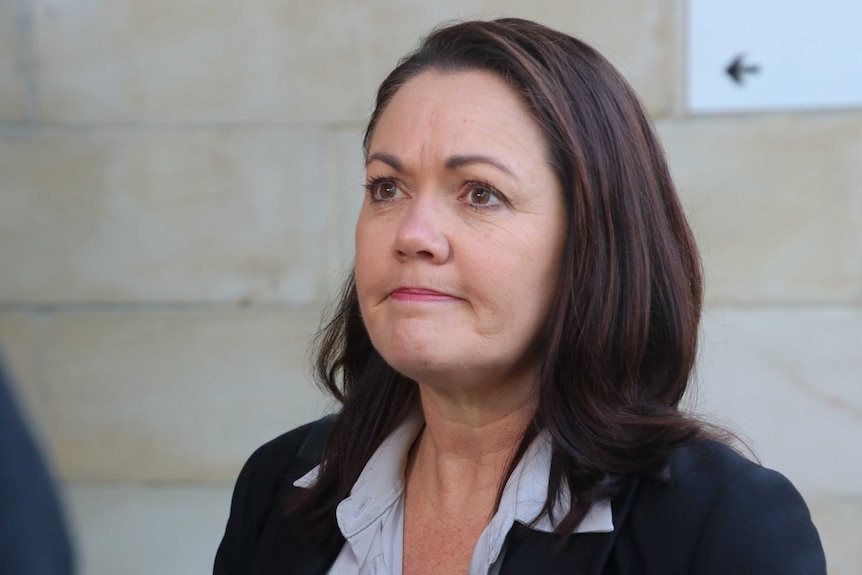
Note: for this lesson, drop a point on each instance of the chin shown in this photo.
(418, 362)
(413, 365)
(412, 343)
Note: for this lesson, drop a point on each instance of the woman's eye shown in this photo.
(482, 197)
(383, 190)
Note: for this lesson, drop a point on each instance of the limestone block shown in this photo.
(15, 60)
(839, 521)
(139, 530)
(219, 215)
(775, 202)
(264, 60)
(643, 39)
(350, 191)
(174, 396)
(789, 381)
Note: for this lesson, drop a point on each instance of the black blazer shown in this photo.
(718, 514)
(33, 535)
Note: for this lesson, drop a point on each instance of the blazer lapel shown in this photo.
(283, 551)
(281, 548)
(529, 551)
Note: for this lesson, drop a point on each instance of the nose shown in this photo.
(421, 234)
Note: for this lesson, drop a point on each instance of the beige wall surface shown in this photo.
(178, 186)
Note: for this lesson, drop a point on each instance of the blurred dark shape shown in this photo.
(33, 536)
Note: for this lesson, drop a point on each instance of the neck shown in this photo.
(462, 455)
(477, 431)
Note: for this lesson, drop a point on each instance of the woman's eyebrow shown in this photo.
(455, 162)
(388, 159)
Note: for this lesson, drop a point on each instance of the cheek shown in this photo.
(372, 272)
(509, 291)
(366, 254)
(360, 236)
(536, 273)
(366, 277)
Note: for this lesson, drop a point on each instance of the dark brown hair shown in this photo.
(620, 341)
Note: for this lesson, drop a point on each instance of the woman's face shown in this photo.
(460, 237)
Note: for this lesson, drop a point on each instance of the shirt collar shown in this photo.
(527, 489)
(381, 483)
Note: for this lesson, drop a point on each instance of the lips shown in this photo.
(417, 294)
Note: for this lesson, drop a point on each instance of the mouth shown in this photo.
(417, 294)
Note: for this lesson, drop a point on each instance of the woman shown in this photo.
(510, 352)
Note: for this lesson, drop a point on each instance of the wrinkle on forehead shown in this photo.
(478, 114)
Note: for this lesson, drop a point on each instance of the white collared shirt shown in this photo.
(371, 518)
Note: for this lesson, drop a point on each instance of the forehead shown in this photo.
(439, 114)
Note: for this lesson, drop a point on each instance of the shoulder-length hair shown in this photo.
(619, 344)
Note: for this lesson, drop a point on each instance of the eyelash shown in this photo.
(372, 184)
(485, 187)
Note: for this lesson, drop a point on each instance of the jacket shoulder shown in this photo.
(723, 514)
(703, 465)
(256, 495)
(292, 453)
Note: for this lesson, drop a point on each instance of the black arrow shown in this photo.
(737, 69)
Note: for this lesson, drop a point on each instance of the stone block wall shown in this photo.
(178, 186)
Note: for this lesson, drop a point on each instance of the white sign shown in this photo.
(752, 55)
